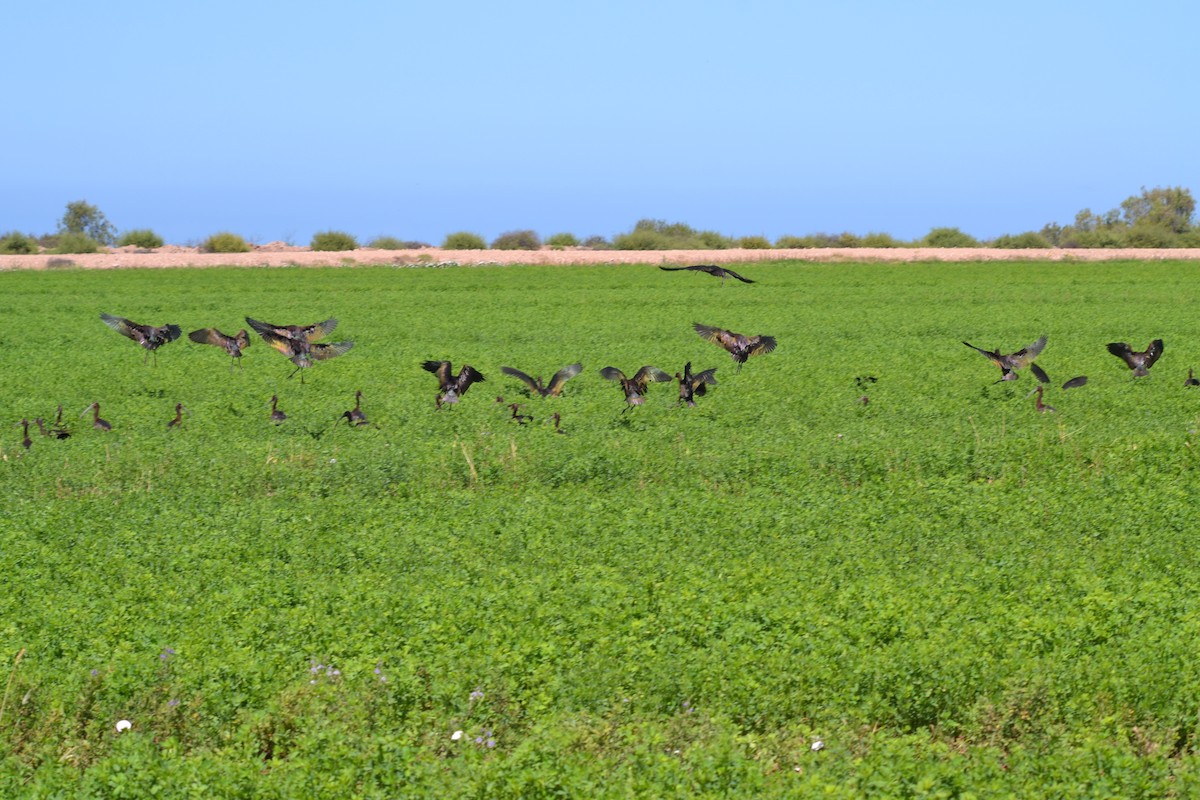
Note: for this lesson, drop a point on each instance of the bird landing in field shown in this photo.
(1009, 364)
(711, 269)
(147, 336)
(1139, 362)
(739, 346)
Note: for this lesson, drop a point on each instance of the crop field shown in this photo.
(783, 591)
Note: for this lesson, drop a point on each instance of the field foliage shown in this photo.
(780, 592)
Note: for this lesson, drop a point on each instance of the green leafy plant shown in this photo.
(84, 219)
(754, 243)
(75, 243)
(15, 243)
(562, 240)
(224, 242)
(333, 241)
(517, 240)
(949, 237)
(140, 237)
(464, 240)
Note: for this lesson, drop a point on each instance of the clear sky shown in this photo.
(756, 117)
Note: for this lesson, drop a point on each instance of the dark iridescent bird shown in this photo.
(1191, 380)
(1139, 362)
(1038, 404)
(57, 431)
(1075, 383)
(26, 442)
(740, 347)
(147, 336)
(302, 352)
(557, 422)
(1009, 364)
(178, 420)
(309, 333)
(635, 387)
(234, 345)
(518, 416)
(277, 416)
(97, 423)
(451, 387)
(711, 269)
(554, 388)
(356, 416)
(695, 385)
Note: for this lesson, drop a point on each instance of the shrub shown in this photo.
(1189, 239)
(140, 237)
(333, 240)
(464, 240)
(754, 243)
(14, 243)
(224, 242)
(392, 243)
(597, 243)
(563, 240)
(655, 234)
(1029, 240)
(949, 237)
(1150, 235)
(517, 240)
(880, 240)
(810, 241)
(711, 240)
(76, 243)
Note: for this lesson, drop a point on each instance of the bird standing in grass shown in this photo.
(452, 387)
(147, 336)
(1191, 379)
(521, 419)
(26, 442)
(1139, 362)
(554, 388)
(711, 269)
(356, 416)
(277, 416)
(1038, 404)
(234, 345)
(635, 387)
(97, 423)
(740, 347)
(178, 419)
(1009, 364)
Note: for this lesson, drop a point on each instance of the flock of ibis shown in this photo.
(300, 345)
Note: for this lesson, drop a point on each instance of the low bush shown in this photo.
(517, 240)
(812, 240)
(224, 242)
(949, 237)
(875, 239)
(330, 241)
(464, 240)
(392, 243)
(1030, 240)
(16, 243)
(76, 243)
(754, 243)
(597, 243)
(563, 240)
(140, 237)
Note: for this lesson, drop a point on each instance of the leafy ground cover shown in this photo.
(781, 591)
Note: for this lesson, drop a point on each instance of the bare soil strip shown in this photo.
(277, 255)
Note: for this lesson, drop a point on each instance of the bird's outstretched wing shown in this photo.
(522, 377)
(562, 376)
(651, 373)
(612, 374)
(324, 351)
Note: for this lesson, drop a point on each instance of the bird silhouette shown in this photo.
(1191, 380)
(1009, 364)
(234, 345)
(277, 416)
(57, 431)
(557, 423)
(554, 388)
(26, 442)
(1139, 362)
(147, 336)
(740, 347)
(696, 385)
(711, 269)
(178, 419)
(302, 352)
(452, 387)
(518, 416)
(97, 423)
(635, 387)
(1075, 383)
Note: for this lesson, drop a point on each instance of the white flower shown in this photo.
(454, 737)
(818, 745)
(124, 725)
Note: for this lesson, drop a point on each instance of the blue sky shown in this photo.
(276, 121)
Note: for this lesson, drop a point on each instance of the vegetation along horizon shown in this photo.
(860, 564)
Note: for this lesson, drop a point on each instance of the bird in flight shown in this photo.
(635, 387)
(711, 269)
(234, 345)
(1009, 364)
(1141, 362)
(693, 385)
(147, 336)
(452, 387)
(554, 388)
(740, 347)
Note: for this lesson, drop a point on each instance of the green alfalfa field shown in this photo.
(783, 591)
